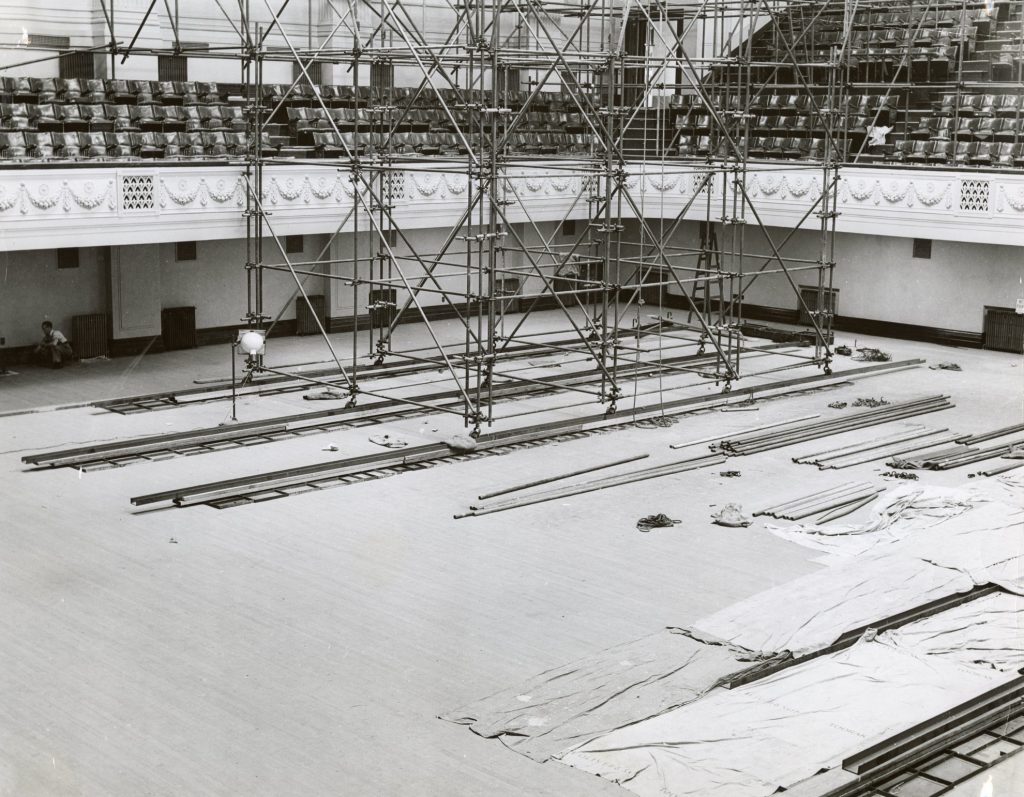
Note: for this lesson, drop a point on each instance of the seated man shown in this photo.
(54, 347)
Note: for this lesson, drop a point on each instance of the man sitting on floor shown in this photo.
(54, 347)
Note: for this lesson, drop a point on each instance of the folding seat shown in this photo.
(924, 129)
(966, 128)
(46, 117)
(963, 152)
(92, 92)
(758, 147)
(1018, 155)
(146, 117)
(795, 147)
(210, 118)
(22, 90)
(782, 126)
(172, 144)
(89, 118)
(352, 145)
(940, 152)
(186, 89)
(68, 90)
(969, 104)
(946, 106)
(987, 105)
(985, 128)
(74, 118)
(143, 91)
(12, 146)
(92, 145)
(121, 118)
(209, 93)
(65, 145)
(900, 149)
(165, 93)
(40, 145)
(858, 125)
(151, 144)
(190, 114)
(803, 126)
(192, 145)
(173, 118)
(119, 145)
(45, 89)
(1003, 155)
(939, 66)
(1002, 68)
(234, 118)
(327, 145)
(215, 144)
(943, 130)
(982, 155)
(918, 153)
(14, 116)
(117, 91)
(1008, 130)
(1009, 105)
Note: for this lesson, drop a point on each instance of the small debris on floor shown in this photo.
(329, 447)
(731, 516)
(461, 443)
(844, 350)
(946, 367)
(870, 402)
(661, 422)
(870, 355)
(388, 441)
(838, 405)
(895, 474)
(729, 474)
(173, 541)
(659, 521)
(325, 395)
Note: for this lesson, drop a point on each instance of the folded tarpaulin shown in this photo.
(813, 611)
(752, 740)
(567, 706)
(986, 631)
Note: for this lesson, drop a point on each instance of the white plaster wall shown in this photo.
(33, 289)
(879, 279)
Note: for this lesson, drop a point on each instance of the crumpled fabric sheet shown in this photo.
(570, 705)
(986, 543)
(813, 611)
(985, 632)
(750, 741)
(905, 510)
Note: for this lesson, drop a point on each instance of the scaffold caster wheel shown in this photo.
(828, 371)
(379, 360)
(475, 433)
(351, 402)
(727, 388)
(700, 351)
(612, 409)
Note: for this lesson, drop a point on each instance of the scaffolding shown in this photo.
(620, 71)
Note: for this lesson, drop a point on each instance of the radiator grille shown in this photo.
(89, 335)
(809, 294)
(305, 319)
(178, 327)
(1004, 330)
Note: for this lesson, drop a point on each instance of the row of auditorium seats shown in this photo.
(40, 146)
(120, 146)
(128, 118)
(948, 153)
(796, 104)
(130, 92)
(797, 126)
(946, 128)
(978, 105)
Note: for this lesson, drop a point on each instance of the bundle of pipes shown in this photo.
(879, 448)
(831, 504)
(1003, 468)
(958, 457)
(846, 423)
(597, 484)
(984, 437)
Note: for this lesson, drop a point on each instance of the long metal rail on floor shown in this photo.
(251, 433)
(290, 481)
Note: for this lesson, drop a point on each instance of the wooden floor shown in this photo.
(306, 645)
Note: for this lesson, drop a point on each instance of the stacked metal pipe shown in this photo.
(845, 423)
(831, 504)
(892, 445)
